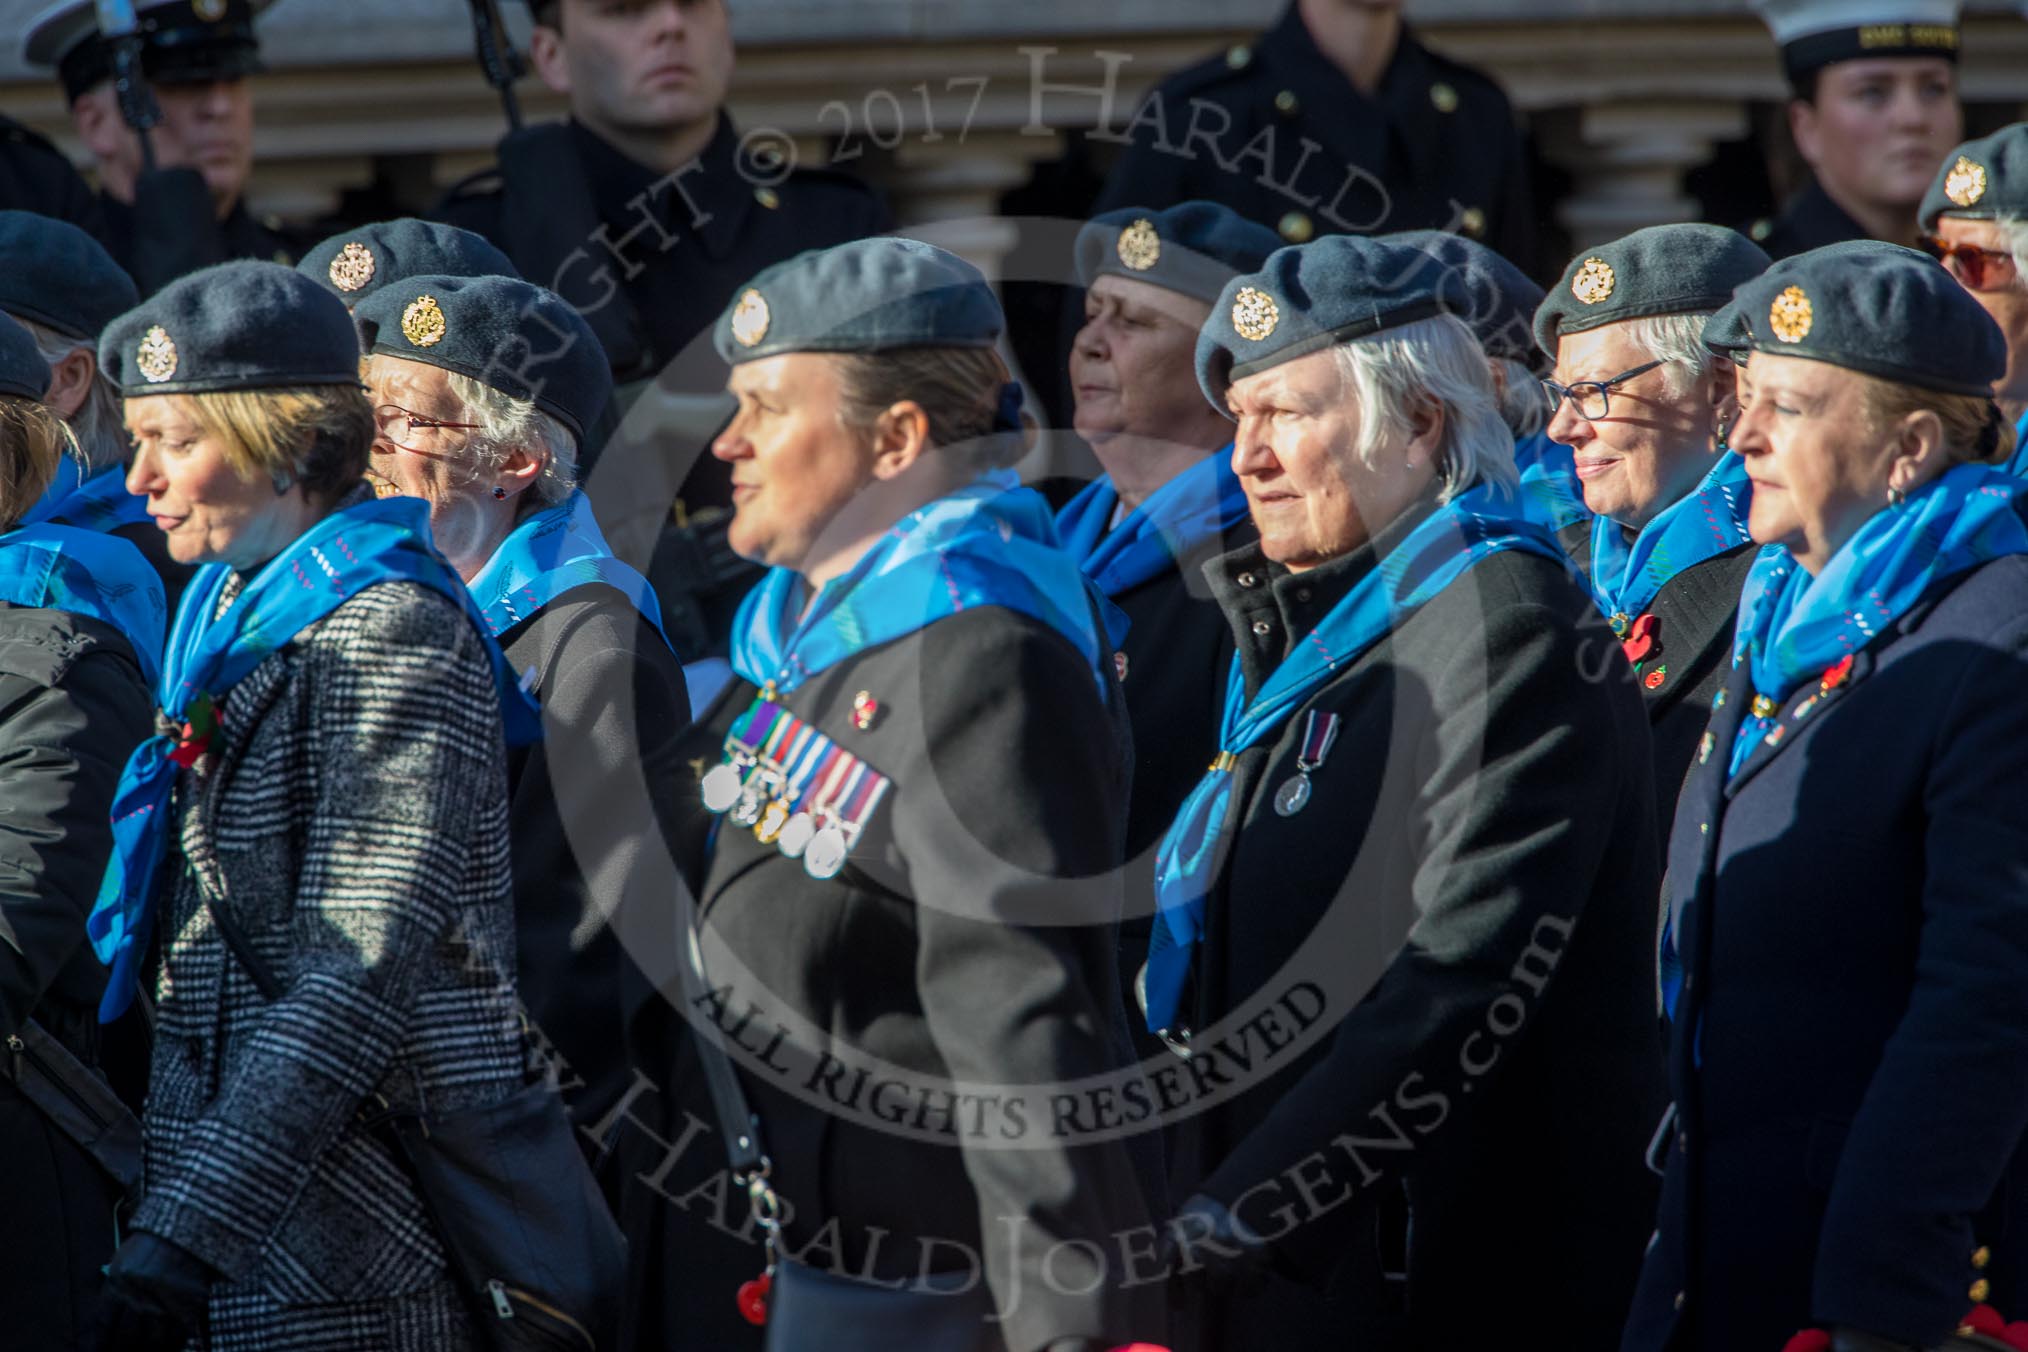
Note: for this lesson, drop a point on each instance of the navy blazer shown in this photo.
(1852, 911)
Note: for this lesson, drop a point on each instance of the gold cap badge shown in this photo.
(1594, 281)
(1966, 182)
(1254, 314)
(353, 267)
(155, 358)
(750, 318)
(1139, 246)
(1790, 315)
(422, 323)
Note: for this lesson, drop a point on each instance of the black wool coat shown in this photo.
(1850, 1050)
(1424, 1002)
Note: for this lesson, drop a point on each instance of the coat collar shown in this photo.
(710, 198)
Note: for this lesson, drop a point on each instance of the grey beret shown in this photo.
(1898, 316)
(1662, 270)
(22, 370)
(357, 263)
(1502, 298)
(1194, 248)
(1727, 332)
(519, 338)
(1981, 179)
(244, 325)
(1308, 297)
(55, 274)
(867, 296)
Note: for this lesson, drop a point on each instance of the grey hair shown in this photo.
(2014, 233)
(507, 424)
(1434, 359)
(1677, 340)
(99, 425)
(1522, 406)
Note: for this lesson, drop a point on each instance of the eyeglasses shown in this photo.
(397, 426)
(1978, 268)
(1591, 398)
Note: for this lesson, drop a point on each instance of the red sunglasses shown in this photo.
(1979, 269)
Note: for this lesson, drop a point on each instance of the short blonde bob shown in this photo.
(318, 436)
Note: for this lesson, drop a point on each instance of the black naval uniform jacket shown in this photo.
(171, 229)
(1810, 221)
(1435, 146)
(73, 706)
(1465, 911)
(1695, 613)
(971, 937)
(36, 176)
(1850, 1051)
(582, 813)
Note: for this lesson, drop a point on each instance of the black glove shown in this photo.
(1206, 1245)
(153, 1299)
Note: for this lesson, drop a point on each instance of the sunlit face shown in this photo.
(1312, 497)
(2007, 303)
(1651, 448)
(1819, 466)
(1133, 366)
(205, 510)
(1879, 128)
(642, 65)
(412, 458)
(795, 465)
(205, 126)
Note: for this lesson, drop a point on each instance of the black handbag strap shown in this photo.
(264, 978)
(736, 1119)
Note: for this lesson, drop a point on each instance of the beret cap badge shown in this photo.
(1791, 314)
(750, 318)
(155, 358)
(353, 267)
(1593, 282)
(1966, 182)
(422, 323)
(1139, 246)
(1254, 314)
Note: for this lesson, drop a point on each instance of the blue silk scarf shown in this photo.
(1201, 503)
(1475, 524)
(98, 576)
(1701, 525)
(1793, 628)
(1550, 495)
(988, 544)
(372, 541)
(2017, 463)
(100, 503)
(555, 551)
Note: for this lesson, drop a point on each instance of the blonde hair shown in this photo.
(33, 442)
(1972, 425)
(318, 436)
(957, 388)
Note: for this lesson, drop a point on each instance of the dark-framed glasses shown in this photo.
(1592, 398)
(398, 427)
(1979, 268)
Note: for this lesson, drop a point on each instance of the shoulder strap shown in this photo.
(264, 978)
(736, 1119)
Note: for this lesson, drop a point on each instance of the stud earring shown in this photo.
(499, 492)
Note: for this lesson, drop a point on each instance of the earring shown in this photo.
(499, 492)
(1896, 498)
(1724, 433)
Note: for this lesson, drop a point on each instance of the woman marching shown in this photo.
(915, 814)
(326, 801)
(1848, 896)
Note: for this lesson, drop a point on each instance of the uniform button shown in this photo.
(1248, 580)
(1761, 229)
(1240, 57)
(1262, 628)
(1444, 97)
(1296, 228)
(1704, 828)
(1981, 1256)
(1680, 1298)
(1302, 593)
(1683, 1141)
(1287, 104)
(1980, 1289)
(767, 197)
(1473, 222)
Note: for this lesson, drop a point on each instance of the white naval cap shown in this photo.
(1816, 33)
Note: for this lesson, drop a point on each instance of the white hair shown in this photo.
(507, 424)
(1522, 405)
(1677, 340)
(99, 425)
(1433, 360)
(2014, 234)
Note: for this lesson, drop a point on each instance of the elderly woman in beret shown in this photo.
(1407, 918)
(914, 801)
(483, 388)
(1644, 407)
(1975, 218)
(356, 263)
(1848, 950)
(1168, 499)
(74, 688)
(325, 800)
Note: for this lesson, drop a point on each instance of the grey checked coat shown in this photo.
(352, 813)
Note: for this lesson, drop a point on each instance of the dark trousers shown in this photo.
(56, 1230)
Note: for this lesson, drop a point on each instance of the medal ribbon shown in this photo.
(1475, 524)
(1319, 731)
(1200, 504)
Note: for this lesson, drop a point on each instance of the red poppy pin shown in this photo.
(1653, 680)
(195, 737)
(1835, 674)
(1640, 639)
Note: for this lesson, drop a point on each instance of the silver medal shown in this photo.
(825, 854)
(1293, 796)
(721, 787)
(796, 836)
(748, 810)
